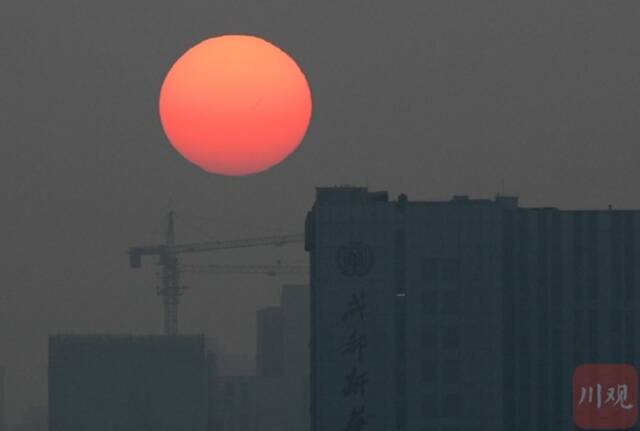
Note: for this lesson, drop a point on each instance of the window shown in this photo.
(451, 371)
(450, 269)
(429, 302)
(244, 393)
(401, 382)
(450, 337)
(451, 405)
(429, 372)
(451, 303)
(430, 406)
(401, 416)
(430, 269)
(429, 338)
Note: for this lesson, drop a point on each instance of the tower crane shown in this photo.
(170, 273)
(270, 270)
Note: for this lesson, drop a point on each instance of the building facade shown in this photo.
(282, 380)
(294, 302)
(269, 342)
(462, 314)
(235, 403)
(2, 407)
(34, 419)
(114, 382)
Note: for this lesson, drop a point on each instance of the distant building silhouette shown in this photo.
(123, 383)
(235, 403)
(3, 422)
(274, 396)
(282, 383)
(463, 314)
(294, 302)
(269, 342)
(234, 364)
(34, 419)
(271, 400)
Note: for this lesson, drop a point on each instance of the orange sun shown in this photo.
(235, 105)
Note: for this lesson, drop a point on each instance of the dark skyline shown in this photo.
(424, 98)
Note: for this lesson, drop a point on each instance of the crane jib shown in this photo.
(171, 288)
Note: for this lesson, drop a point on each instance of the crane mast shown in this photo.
(171, 289)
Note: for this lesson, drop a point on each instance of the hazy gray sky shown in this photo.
(429, 98)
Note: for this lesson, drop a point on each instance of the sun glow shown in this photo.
(235, 105)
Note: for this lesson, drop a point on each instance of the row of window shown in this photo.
(448, 406)
(448, 370)
(447, 335)
(441, 269)
(243, 388)
(440, 302)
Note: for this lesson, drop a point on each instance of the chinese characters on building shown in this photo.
(354, 348)
(355, 259)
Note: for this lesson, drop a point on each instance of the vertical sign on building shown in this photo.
(605, 396)
(355, 260)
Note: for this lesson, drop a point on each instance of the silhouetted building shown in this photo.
(271, 404)
(123, 383)
(272, 393)
(294, 302)
(34, 419)
(234, 364)
(270, 400)
(3, 422)
(282, 383)
(212, 355)
(269, 342)
(463, 314)
(235, 403)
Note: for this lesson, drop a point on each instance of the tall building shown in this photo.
(213, 370)
(271, 394)
(235, 401)
(34, 419)
(294, 302)
(3, 423)
(128, 383)
(269, 342)
(463, 314)
(236, 364)
(281, 384)
(270, 402)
